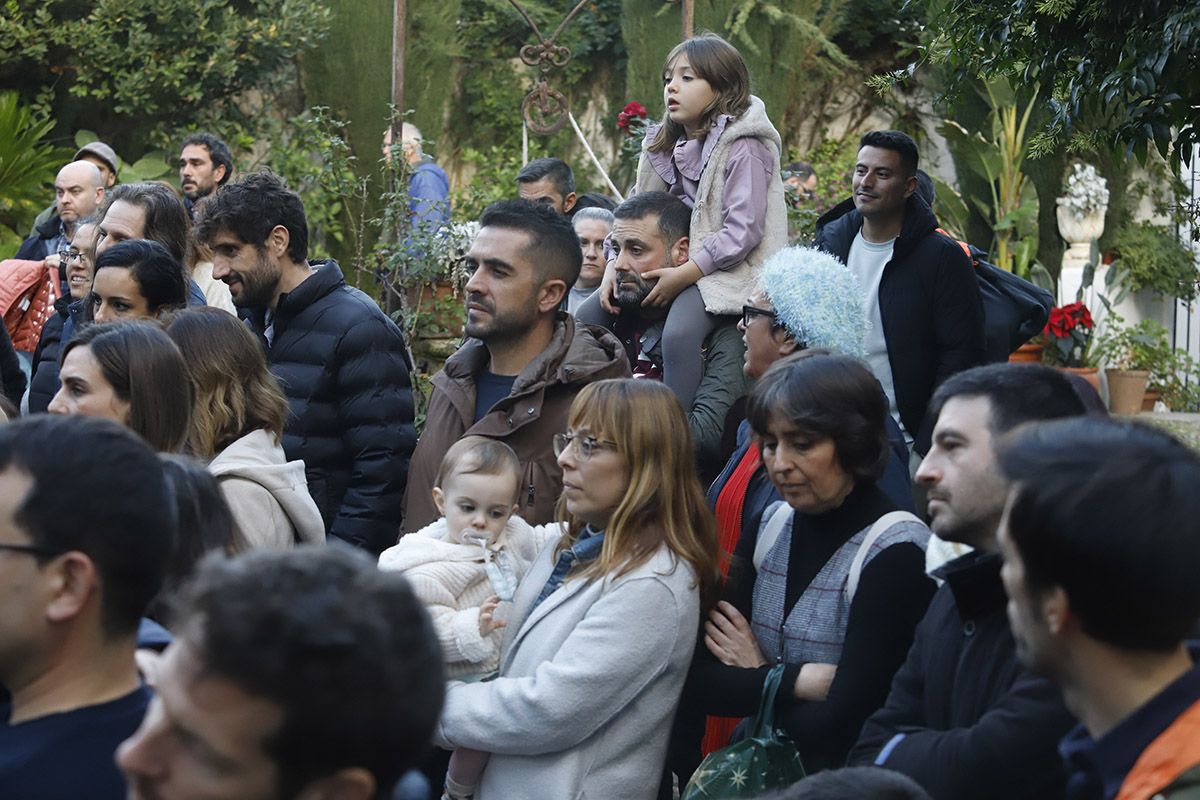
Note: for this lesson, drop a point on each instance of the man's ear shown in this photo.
(73, 582)
(550, 295)
(1056, 610)
(569, 202)
(351, 783)
(219, 176)
(680, 251)
(910, 186)
(278, 240)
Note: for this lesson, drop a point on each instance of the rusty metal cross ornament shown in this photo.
(545, 110)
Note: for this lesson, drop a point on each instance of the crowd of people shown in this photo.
(230, 568)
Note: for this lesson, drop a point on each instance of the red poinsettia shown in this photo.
(1068, 333)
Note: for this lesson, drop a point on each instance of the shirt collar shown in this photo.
(1102, 764)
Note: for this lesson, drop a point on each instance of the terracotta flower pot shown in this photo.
(1089, 374)
(1028, 353)
(1126, 389)
(1150, 399)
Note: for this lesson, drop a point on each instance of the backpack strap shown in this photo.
(860, 557)
(770, 533)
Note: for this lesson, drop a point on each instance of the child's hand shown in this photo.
(671, 281)
(608, 287)
(487, 620)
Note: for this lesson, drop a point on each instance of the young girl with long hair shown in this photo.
(604, 623)
(716, 150)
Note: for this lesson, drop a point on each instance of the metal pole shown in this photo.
(391, 299)
(688, 18)
(399, 22)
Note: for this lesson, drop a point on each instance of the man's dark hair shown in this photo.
(1017, 393)
(1107, 510)
(800, 169)
(853, 783)
(899, 142)
(166, 218)
(593, 200)
(674, 217)
(120, 516)
(553, 245)
(251, 207)
(158, 274)
(217, 151)
(557, 170)
(831, 396)
(346, 650)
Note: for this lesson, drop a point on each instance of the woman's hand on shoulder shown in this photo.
(728, 637)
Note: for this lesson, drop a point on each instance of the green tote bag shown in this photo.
(765, 760)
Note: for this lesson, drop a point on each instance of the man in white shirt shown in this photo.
(922, 300)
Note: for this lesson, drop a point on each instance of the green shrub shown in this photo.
(28, 165)
(1153, 258)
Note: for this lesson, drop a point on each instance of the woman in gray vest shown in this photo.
(834, 583)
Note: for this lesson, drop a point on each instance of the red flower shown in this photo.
(1059, 325)
(622, 120)
(635, 109)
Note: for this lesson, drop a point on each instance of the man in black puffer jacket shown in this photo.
(923, 298)
(342, 363)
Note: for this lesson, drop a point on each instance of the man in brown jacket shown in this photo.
(523, 362)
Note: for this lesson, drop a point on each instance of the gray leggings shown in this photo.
(687, 326)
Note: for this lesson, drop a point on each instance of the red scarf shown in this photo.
(730, 502)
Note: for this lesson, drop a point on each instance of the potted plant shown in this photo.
(1067, 340)
(1152, 258)
(1131, 354)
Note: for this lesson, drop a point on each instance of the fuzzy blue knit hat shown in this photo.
(817, 299)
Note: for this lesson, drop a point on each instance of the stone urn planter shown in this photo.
(1079, 230)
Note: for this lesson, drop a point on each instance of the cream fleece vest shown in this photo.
(726, 290)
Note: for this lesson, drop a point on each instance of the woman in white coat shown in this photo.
(604, 624)
(237, 424)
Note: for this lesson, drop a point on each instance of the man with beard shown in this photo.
(650, 233)
(523, 362)
(963, 718)
(342, 363)
(204, 165)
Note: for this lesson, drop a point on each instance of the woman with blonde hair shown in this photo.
(237, 425)
(603, 625)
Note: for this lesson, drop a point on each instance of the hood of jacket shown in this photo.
(577, 354)
(257, 457)
(838, 226)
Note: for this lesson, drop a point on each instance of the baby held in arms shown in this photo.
(466, 566)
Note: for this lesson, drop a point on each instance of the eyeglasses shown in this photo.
(32, 550)
(750, 312)
(585, 446)
(66, 255)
